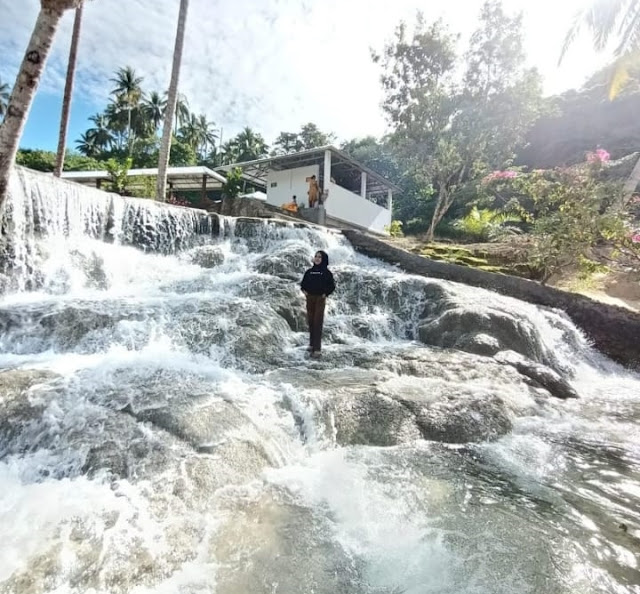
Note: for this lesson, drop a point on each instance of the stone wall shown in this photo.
(613, 330)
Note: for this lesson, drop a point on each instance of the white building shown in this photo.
(354, 195)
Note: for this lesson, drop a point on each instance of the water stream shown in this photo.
(163, 431)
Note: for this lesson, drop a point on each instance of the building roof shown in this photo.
(181, 178)
(257, 171)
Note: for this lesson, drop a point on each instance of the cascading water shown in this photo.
(161, 429)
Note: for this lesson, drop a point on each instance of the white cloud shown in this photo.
(269, 64)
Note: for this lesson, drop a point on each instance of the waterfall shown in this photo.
(162, 428)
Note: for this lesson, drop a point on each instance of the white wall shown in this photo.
(290, 182)
(352, 208)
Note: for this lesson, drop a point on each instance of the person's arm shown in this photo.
(303, 284)
(330, 284)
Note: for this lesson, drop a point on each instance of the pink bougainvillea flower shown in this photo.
(499, 175)
(599, 156)
(635, 238)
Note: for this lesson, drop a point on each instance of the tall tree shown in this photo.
(312, 137)
(250, 145)
(607, 20)
(182, 113)
(101, 134)
(165, 147)
(153, 108)
(287, 143)
(27, 81)
(189, 133)
(230, 152)
(207, 135)
(88, 144)
(68, 91)
(449, 135)
(128, 92)
(4, 98)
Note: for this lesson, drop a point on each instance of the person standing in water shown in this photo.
(317, 284)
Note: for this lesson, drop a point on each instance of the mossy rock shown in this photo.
(471, 261)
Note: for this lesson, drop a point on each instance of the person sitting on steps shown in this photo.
(291, 206)
(317, 284)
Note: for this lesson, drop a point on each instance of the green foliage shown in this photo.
(246, 146)
(448, 134)
(233, 187)
(145, 186)
(45, 161)
(181, 155)
(130, 126)
(572, 210)
(309, 137)
(394, 229)
(487, 225)
(118, 172)
(36, 159)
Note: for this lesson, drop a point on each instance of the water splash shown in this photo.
(156, 392)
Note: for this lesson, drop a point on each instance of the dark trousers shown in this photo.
(315, 318)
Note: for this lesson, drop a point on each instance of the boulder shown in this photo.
(206, 256)
(368, 418)
(612, 330)
(539, 375)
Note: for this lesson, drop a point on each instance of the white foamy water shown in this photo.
(162, 429)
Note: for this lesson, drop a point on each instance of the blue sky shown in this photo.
(269, 64)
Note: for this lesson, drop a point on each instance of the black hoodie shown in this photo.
(318, 280)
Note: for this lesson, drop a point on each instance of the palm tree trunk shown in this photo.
(68, 92)
(129, 130)
(165, 147)
(26, 85)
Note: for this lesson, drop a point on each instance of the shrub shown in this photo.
(394, 229)
(487, 225)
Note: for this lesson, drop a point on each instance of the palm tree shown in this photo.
(153, 108)
(607, 19)
(172, 99)
(29, 75)
(251, 145)
(182, 113)
(189, 133)
(128, 93)
(68, 92)
(206, 134)
(116, 116)
(101, 133)
(88, 144)
(230, 152)
(4, 98)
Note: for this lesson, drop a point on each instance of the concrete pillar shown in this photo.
(363, 184)
(327, 169)
(390, 201)
(204, 188)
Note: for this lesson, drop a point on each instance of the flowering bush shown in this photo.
(599, 156)
(179, 201)
(498, 175)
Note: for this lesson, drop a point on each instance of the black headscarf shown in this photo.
(325, 260)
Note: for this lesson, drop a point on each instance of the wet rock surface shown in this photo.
(166, 411)
(613, 330)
